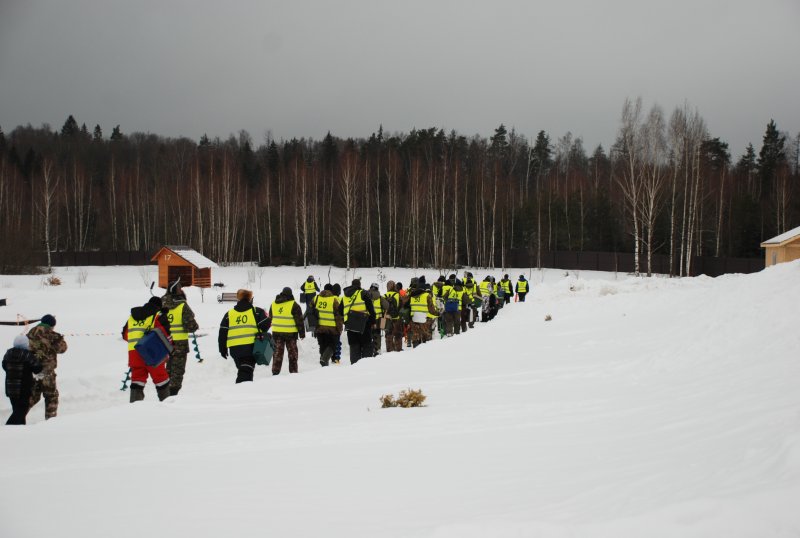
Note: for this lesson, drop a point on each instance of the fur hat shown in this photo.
(21, 342)
(49, 319)
(244, 295)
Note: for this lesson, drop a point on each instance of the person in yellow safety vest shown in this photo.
(506, 286)
(308, 290)
(421, 303)
(181, 323)
(522, 288)
(143, 319)
(286, 320)
(358, 301)
(471, 287)
(394, 325)
(381, 306)
(337, 292)
(455, 305)
(237, 334)
(330, 323)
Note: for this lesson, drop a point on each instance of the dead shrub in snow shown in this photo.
(548, 317)
(52, 280)
(406, 398)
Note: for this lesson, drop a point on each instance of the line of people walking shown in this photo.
(401, 317)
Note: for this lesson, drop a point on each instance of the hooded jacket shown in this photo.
(297, 314)
(244, 350)
(349, 292)
(337, 313)
(20, 365)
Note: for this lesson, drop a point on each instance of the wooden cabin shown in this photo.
(193, 268)
(782, 248)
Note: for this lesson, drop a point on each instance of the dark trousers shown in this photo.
(327, 342)
(360, 345)
(19, 410)
(244, 369)
(522, 295)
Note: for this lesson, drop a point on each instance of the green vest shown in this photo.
(282, 318)
(484, 287)
(378, 309)
(506, 285)
(175, 317)
(522, 286)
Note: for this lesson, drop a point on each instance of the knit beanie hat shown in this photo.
(21, 342)
(48, 319)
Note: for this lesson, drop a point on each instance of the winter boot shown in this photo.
(326, 356)
(163, 392)
(173, 391)
(137, 393)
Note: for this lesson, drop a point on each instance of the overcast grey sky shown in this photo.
(302, 68)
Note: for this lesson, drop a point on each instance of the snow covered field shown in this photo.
(646, 407)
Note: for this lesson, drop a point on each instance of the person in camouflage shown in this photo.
(286, 321)
(421, 303)
(394, 325)
(46, 343)
(181, 323)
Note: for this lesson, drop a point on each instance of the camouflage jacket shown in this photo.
(46, 344)
(170, 301)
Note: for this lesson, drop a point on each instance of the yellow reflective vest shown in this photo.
(419, 303)
(175, 317)
(355, 303)
(137, 328)
(282, 318)
(242, 328)
(396, 296)
(522, 286)
(324, 306)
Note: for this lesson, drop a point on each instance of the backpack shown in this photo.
(394, 310)
(451, 305)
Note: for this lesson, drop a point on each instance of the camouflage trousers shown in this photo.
(452, 323)
(419, 333)
(290, 345)
(176, 366)
(46, 387)
(394, 335)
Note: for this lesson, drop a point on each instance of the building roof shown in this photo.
(783, 238)
(190, 255)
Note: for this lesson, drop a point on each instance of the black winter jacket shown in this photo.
(20, 365)
(244, 350)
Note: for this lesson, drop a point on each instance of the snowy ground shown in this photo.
(646, 407)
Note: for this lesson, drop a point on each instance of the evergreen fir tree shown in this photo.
(70, 128)
(204, 141)
(771, 156)
(116, 134)
(98, 133)
(541, 156)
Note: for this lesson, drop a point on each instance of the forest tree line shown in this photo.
(425, 198)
